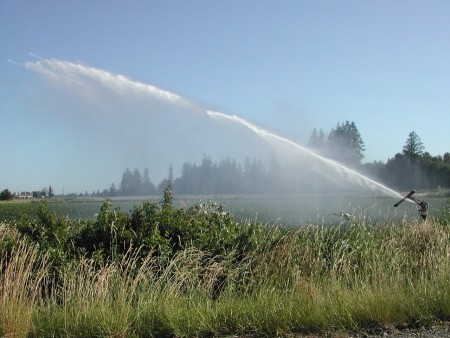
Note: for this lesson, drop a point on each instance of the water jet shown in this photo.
(153, 110)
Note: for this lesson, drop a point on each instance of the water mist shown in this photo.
(115, 105)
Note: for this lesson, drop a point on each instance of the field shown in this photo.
(284, 210)
(185, 269)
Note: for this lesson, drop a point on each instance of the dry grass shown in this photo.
(22, 271)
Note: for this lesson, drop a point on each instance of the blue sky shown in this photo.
(287, 66)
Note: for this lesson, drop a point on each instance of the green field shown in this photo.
(177, 268)
(286, 210)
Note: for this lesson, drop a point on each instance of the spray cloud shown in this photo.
(130, 123)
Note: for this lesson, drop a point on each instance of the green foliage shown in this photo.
(5, 195)
(413, 147)
(306, 281)
(345, 144)
(159, 230)
(133, 183)
(173, 271)
(424, 172)
(105, 237)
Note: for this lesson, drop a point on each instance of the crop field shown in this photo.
(285, 210)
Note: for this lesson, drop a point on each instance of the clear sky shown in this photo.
(287, 66)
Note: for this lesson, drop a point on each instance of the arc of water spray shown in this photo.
(56, 70)
(269, 135)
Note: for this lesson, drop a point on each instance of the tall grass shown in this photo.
(22, 272)
(314, 279)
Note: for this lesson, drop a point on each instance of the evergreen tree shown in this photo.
(317, 139)
(136, 182)
(148, 188)
(345, 144)
(185, 183)
(126, 183)
(413, 147)
(228, 177)
(313, 139)
(165, 182)
(170, 175)
(255, 177)
(112, 190)
(206, 176)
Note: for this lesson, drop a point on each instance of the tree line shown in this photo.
(411, 168)
(6, 195)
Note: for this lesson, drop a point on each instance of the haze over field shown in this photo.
(125, 121)
(285, 67)
(166, 128)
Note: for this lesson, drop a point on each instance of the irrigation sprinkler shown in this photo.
(344, 215)
(423, 206)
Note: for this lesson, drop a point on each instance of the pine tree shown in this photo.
(313, 139)
(413, 147)
(148, 188)
(126, 183)
(136, 182)
(345, 144)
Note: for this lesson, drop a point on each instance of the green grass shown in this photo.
(312, 280)
(287, 210)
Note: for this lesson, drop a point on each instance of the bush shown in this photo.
(5, 195)
(159, 230)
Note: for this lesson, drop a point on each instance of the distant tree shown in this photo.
(313, 139)
(165, 182)
(446, 157)
(112, 190)
(413, 147)
(206, 176)
(417, 168)
(136, 182)
(44, 192)
(227, 177)
(345, 144)
(148, 188)
(6, 195)
(162, 185)
(37, 194)
(317, 139)
(426, 156)
(254, 175)
(51, 193)
(322, 139)
(185, 183)
(126, 183)
(170, 175)
(374, 169)
(167, 195)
